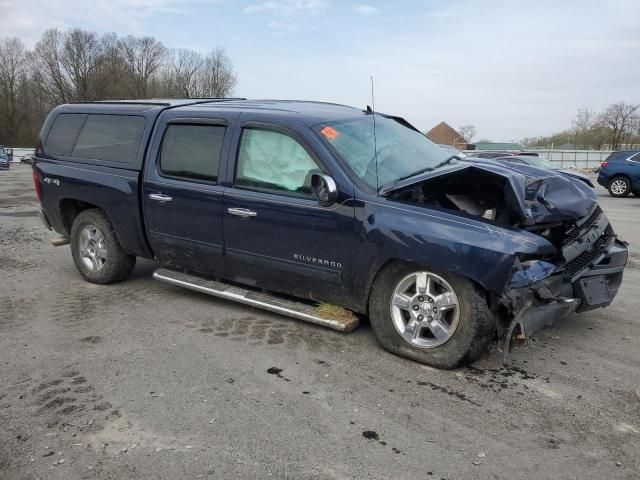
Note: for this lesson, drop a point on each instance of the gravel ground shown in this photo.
(144, 380)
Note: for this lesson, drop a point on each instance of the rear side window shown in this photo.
(113, 138)
(192, 152)
(63, 133)
(622, 155)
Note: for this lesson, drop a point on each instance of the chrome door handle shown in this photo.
(160, 197)
(242, 212)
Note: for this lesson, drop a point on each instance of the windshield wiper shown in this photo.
(446, 161)
(429, 169)
(418, 172)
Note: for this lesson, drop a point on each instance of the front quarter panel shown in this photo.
(480, 251)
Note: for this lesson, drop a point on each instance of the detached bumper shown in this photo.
(548, 301)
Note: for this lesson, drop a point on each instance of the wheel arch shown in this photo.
(70, 208)
(374, 274)
(618, 175)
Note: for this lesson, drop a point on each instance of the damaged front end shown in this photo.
(586, 274)
(583, 273)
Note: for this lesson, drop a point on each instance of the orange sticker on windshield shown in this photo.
(330, 133)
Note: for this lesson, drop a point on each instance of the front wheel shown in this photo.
(619, 187)
(96, 251)
(437, 318)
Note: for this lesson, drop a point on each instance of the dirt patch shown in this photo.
(334, 312)
(91, 339)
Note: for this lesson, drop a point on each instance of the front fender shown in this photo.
(478, 250)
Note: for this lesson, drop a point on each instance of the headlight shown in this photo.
(529, 272)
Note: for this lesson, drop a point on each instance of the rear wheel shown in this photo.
(619, 187)
(437, 318)
(96, 251)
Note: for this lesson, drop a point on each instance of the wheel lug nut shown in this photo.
(420, 317)
(416, 308)
(430, 318)
(430, 300)
(421, 299)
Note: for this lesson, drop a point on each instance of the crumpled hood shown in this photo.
(535, 195)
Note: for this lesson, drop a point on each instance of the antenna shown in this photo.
(375, 140)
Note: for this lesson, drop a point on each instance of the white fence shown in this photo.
(569, 158)
(19, 152)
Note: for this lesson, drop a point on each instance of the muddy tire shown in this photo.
(446, 324)
(619, 187)
(96, 251)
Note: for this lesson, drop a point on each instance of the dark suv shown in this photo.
(620, 173)
(326, 203)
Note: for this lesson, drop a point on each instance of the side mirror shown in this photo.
(324, 188)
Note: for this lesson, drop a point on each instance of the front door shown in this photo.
(182, 198)
(277, 237)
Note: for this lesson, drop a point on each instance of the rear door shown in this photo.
(276, 235)
(181, 196)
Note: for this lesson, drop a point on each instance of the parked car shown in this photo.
(499, 154)
(620, 173)
(302, 199)
(452, 150)
(541, 162)
(5, 162)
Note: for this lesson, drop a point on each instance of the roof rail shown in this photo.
(216, 99)
(123, 102)
(160, 102)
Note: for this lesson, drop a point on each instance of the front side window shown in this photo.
(113, 138)
(273, 161)
(192, 151)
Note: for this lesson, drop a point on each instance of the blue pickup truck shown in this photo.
(294, 206)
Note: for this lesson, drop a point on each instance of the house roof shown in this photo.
(445, 134)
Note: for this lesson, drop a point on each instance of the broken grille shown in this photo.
(585, 259)
(576, 231)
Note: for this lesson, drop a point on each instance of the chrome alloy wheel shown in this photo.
(425, 309)
(618, 187)
(92, 247)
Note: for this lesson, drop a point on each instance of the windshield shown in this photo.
(541, 162)
(401, 151)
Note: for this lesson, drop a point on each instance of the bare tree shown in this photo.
(583, 128)
(467, 132)
(12, 71)
(618, 120)
(111, 79)
(47, 69)
(80, 58)
(217, 78)
(79, 65)
(142, 58)
(181, 75)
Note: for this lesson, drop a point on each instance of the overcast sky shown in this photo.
(511, 68)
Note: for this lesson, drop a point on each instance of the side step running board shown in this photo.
(290, 308)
